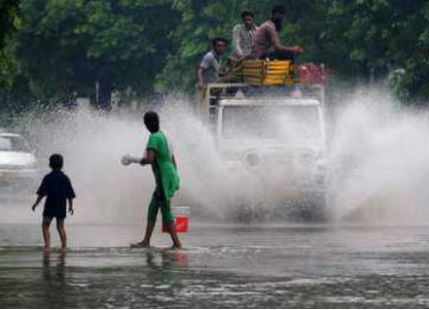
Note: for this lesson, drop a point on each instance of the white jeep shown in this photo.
(274, 147)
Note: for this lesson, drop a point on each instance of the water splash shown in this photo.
(377, 161)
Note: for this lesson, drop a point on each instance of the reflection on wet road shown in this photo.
(222, 266)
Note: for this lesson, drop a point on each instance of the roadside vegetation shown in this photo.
(52, 51)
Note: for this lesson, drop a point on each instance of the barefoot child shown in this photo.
(57, 188)
(159, 155)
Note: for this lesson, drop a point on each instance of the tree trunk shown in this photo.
(103, 89)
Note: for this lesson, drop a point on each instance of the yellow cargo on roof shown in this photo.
(268, 73)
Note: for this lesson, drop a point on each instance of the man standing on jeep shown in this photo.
(208, 70)
(267, 36)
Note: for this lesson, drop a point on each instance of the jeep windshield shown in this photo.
(290, 123)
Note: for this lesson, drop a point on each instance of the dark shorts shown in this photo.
(59, 213)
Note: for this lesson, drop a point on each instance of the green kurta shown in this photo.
(166, 177)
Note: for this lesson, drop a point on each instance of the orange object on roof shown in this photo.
(310, 73)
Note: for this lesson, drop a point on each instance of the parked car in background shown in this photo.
(18, 165)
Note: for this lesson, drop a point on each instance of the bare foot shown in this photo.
(177, 247)
(141, 244)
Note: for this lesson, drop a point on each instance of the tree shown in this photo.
(376, 36)
(9, 22)
(76, 47)
(65, 47)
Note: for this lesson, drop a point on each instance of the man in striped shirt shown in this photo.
(242, 36)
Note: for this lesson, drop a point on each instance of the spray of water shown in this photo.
(379, 161)
(378, 167)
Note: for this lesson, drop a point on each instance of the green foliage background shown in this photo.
(9, 22)
(55, 50)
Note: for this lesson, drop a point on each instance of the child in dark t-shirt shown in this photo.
(57, 188)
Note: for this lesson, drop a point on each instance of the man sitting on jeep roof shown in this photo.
(267, 36)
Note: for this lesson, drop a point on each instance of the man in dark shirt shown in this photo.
(267, 36)
(57, 188)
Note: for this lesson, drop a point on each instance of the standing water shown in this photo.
(371, 252)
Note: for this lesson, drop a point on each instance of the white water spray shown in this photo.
(378, 161)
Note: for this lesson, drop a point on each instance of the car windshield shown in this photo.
(13, 144)
(289, 123)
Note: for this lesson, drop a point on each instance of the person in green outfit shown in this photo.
(159, 154)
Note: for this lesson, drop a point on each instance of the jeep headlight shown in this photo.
(252, 159)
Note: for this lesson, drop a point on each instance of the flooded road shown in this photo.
(226, 266)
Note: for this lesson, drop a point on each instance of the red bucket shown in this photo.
(181, 219)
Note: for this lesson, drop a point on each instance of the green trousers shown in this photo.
(158, 201)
